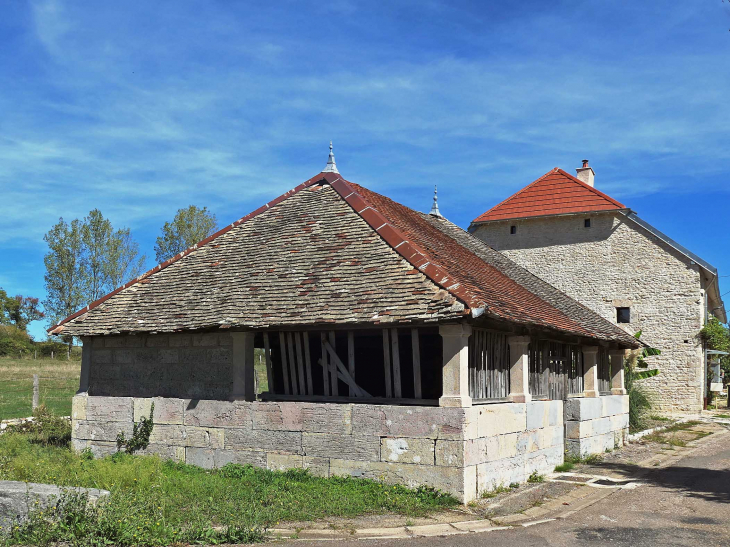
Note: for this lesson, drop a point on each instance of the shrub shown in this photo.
(14, 341)
(536, 477)
(563, 467)
(140, 438)
(46, 428)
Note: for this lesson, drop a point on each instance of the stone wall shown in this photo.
(195, 366)
(464, 451)
(615, 263)
(594, 425)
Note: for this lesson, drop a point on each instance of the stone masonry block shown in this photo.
(123, 356)
(209, 413)
(457, 453)
(208, 339)
(556, 413)
(446, 479)
(209, 458)
(538, 414)
(114, 341)
(157, 341)
(583, 408)
(179, 435)
(97, 342)
(394, 449)
(282, 462)
(100, 431)
(501, 418)
(166, 452)
(218, 356)
(613, 404)
(78, 407)
(402, 421)
(167, 410)
(77, 445)
(179, 340)
(319, 418)
(111, 409)
(502, 472)
(101, 356)
(269, 441)
(101, 449)
(351, 447)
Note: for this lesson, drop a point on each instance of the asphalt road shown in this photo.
(687, 503)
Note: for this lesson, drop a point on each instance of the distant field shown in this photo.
(59, 380)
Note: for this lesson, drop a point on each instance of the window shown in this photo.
(587, 223)
(623, 315)
(513, 229)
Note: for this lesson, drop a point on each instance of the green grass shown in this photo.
(155, 502)
(563, 467)
(499, 490)
(59, 380)
(658, 418)
(722, 415)
(536, 477)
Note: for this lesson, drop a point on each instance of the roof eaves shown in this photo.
(329, 177)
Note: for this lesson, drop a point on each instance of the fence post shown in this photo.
(51, 354)
(36, 391)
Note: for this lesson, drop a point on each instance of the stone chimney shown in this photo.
(585, 174)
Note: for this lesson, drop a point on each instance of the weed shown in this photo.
(46, 428)
(658, 418)
(140, 438)
(563, 467)
(674, 441)
(722, 415)
(514, 485)
(536, 477)
(498, 490)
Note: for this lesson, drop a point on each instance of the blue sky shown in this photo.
(140, 108)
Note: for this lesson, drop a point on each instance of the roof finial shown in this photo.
(435, 207)
(331, 165)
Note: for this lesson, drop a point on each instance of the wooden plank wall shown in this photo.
(488, 365)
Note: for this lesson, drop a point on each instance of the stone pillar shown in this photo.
(455, 365)
(85, 365)
(617, 371)
(519, 372)
(242, 360)
(590, 371)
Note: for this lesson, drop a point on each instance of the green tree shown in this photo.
(66, 280)
(85, 260)
(190, 226)
(717, 336)
(19, 310)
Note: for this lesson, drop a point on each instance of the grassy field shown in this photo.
(154, 502)
(59, 380)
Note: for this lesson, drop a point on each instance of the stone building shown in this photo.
(397, 347)
(601, 253)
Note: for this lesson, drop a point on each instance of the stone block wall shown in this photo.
(464, 451)
(615, 263)
(195, 366)
(594, 425)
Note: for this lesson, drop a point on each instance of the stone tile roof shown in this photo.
(555, 193)
(326, 252)
(489, 279)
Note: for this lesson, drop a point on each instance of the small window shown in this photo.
(623, 315)
(587, 223)
(513, 229)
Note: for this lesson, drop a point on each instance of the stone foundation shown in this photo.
(463, 451)
(594, 425)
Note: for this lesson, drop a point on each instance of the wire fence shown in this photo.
(20, 396)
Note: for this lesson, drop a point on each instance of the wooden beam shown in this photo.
(416, 349)
(300, 364)
(397, 392)
(342, 372)
(267, 357)
(351, 357)
(386, 362)
(325, 366)
(284, 367)
(308, 363)
(292, 365)
(333, 367)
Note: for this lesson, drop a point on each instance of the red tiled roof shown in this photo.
(555, 193)
(343, 270)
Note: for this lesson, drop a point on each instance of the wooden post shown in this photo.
(351, 358)
(386, 361)
(267, 357)
(284, 367)
(300, 364)
(292, 364)
(397, 391)
(325, 365)
(416, 349)
(36, 391)
(333, 367)
(308, 363)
